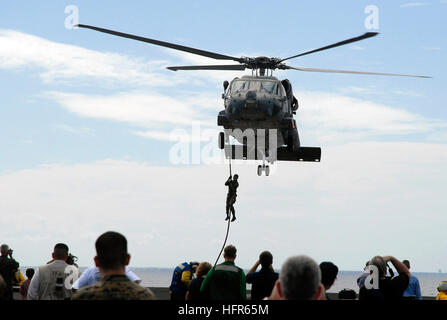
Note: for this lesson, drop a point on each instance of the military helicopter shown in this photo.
(259, 108)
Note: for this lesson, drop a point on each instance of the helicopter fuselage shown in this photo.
(260, 102)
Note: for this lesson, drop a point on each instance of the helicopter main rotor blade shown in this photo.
(357, 72)
(213, 67)
(199, 52)
(341, 43)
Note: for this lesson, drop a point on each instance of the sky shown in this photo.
(92, 126)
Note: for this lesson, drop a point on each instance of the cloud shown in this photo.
(408, 93)
(332, 116)
(438, 137)
(368, 90)
(136, 108)
(359, 191)
(414, 4)
(182, 134)
(75, 130)
(356, 47)
(65, 63)
(373, 91)
(432, 48)
(326, 117)
(60, 62)
(26, 141)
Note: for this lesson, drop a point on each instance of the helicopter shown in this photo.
(259, 108)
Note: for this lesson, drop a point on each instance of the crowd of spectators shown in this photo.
(300, 278)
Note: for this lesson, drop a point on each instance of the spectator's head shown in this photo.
(194, 265)
(406, 263)
(366, 265)
(442, 287)
(329, 273)
(111, 252)
(4, 249)
(29, 273)
(230, 253)
(266, 259)
(299, 279)
(347, 294)
(60, 252)
(203, 268)
(380, 263)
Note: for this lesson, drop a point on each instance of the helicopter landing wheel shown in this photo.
(221, 140)
(265, 169)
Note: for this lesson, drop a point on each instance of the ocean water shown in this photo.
(161, 277)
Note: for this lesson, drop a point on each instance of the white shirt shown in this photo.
(33, 289)
(93, 275)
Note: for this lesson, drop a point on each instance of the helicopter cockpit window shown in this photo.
(239, 85)
(269, 86)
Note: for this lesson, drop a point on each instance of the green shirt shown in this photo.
(225, 282)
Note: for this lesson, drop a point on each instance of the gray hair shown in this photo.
(300, 277)
(380, 263)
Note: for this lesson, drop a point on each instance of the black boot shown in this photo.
(228, 217)
(234, 218)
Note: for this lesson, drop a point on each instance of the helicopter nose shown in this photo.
(250, 106)
(251, 95)
(250, 100)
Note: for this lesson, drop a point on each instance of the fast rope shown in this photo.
(229, 164)
(228, 230)
(223, 246)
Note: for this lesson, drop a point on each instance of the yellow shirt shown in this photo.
(19, 277)
(441, 296)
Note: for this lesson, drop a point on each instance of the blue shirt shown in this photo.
(92, 275)
(413, 290)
